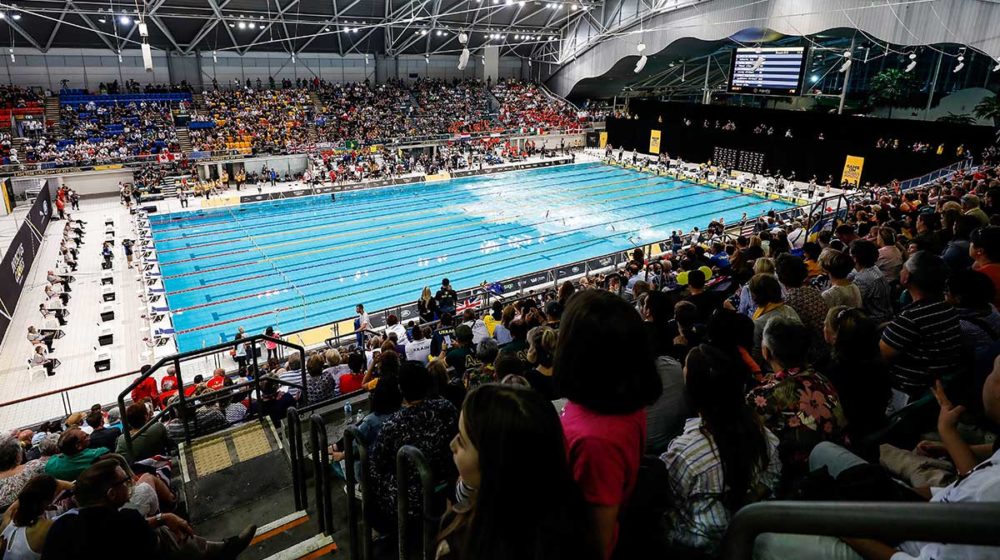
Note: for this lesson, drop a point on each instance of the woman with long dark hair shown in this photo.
(725, 458)
(26, 526)
(608, 391)
(519, 497)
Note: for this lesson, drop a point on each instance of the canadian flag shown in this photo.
(164, 157)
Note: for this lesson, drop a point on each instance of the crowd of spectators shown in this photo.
(363, 112)
(18, 97)
(525, 105)
(269, 120)
(450, 107)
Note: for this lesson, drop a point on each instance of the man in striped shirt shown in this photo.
(924, 341)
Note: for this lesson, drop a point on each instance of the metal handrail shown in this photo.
(893, 522)
(410, 454)
(321, 470)
(175, 360)
(360, 529)
(293, 435)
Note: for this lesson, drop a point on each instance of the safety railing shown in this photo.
(182, 403)
(296, 456)
(321, 473)
(359, 522)
(889, 522)
(944, 172)
(406, 456)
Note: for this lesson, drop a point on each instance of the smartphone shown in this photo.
(447, 340)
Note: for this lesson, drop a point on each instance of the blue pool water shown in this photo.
(298, 263)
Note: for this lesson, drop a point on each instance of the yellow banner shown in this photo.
(654, 141)
(437, 177)
(852, 169)
(603, 139)
(107, 167)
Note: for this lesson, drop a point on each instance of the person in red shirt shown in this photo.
(351, 382)
(146, 389)
(605, 419)
(218, 379)
(985, 252)
(168, 386)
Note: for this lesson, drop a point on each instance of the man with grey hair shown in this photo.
(970, 205)
(795, 402)
(924, 341)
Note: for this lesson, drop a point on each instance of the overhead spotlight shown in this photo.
(366, 59)
(463, 59)
(232, 25)
(552, 38)
(640, 47)
(242, 25)
(252, 25)
(960, 65)
(99, 20)
(440, 33)
(125, 20)
(4, 16)
(293, 58)
(326, 29)
(517, 37)
(143, 29)
(574, 7)
(427, 59)
(913, 63)
(672, 64)
(510, 2)
(119, 56)
(16, 17)
(463, 38)
(529, 63)
(521, 3)
(641, 64)
(847, 62)
(423, 32)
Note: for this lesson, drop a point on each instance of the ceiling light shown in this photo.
(521, 3)
(125, 20)
(517, 37)
(913, 63)
(3, 15)
(242, 25)
(463, 38)
(423, 32)
(230, 25)
(16, 16)
(326, 29)
(102, 20)
(253, 25)
(574, 7)
(960, 65)
(215, 56)
(640, 47)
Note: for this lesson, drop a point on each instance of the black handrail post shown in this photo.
(256, 373)
(321, 470)
(350, 436)
(183, 400)
(405, 454)
(294, 438)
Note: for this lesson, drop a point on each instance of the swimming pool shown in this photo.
(303, 262)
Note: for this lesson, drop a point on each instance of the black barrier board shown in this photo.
(570, 270)
(602, 262)
(14, 270)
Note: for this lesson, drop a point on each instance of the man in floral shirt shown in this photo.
(798, 404)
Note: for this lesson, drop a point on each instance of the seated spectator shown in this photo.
(976, 483)
(657, 313)
(985, 252)
(100, 492)
(218, 379)
(462, 354)
(101, 436)
(25, 527)
(486, 352)
(856, 369)
(762, 265)
(541, 352)
(923, 342)
(392, 326)
(419, 346)
(75, 455)
(766, 293)
(706, 302)
(971, 293)
(724, 459)
(876, 295)
(153, 441)
(352, 381)
(796, 403)
(14, 471)
(605, 419)
(273, 402)
(890, 258)
(842, 291)
(320, 385)
(509, 451)
(732, 332)
(957, 254)
(386, 400)
(292, 377)
(428, 425)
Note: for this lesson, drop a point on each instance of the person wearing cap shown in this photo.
(984, 248)
(462, 354)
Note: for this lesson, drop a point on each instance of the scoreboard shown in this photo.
(767, 71)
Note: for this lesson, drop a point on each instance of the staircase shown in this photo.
(183, 138)
(198, 101)
(168, 188)
(317, 104)
(51, 109)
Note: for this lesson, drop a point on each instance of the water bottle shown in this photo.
(347, 412)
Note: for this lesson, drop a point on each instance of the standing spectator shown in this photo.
(876, 295)
(806, 300)
(541, 351)
(428, 425)
(427, 306)
(604, 420)
(841, 291)
(796, 403)
(510, 451)
(724, 459)
(361, 324)
(271, 347)
(320, 385)
(446, 298)
(923, 342)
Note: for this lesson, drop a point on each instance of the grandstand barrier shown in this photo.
(407, 456)
(123, 98)
(942, 173)
(890, 522)
(359, 522)
(183, 401)
(321, 472)
(20, 255)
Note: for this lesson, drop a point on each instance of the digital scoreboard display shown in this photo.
(767, 71)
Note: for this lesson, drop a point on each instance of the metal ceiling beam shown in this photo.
(93, 27)
(205, 30)
(281, 12)
(52, 36)
(218, 14)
